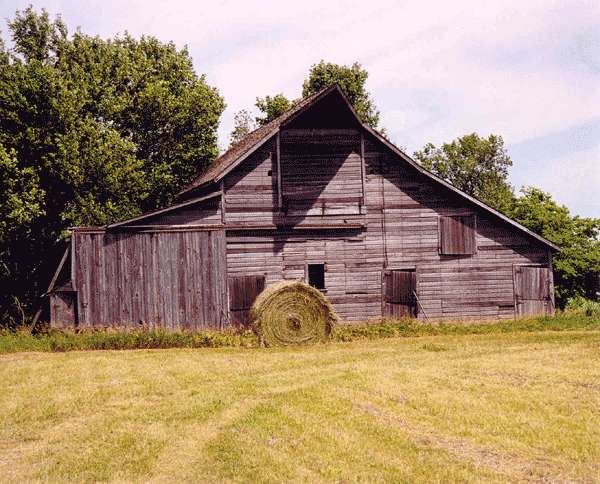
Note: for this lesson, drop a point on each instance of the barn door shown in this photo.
(243, 291)
(532, 290)
(399, 289)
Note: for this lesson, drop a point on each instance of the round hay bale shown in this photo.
(292, 313)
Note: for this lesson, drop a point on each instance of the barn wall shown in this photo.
(397, 228)
(170, 280)
(407, 234)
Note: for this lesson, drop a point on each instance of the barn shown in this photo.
(315, 195)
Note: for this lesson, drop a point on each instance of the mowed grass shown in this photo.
(507, 407)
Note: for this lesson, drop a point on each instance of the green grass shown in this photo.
(497, 407)
(114, 339)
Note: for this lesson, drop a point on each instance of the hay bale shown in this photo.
(292, 313)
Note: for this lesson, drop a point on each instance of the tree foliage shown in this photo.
(244, 125)
(97, 131)
(351, 79)
(478, 166)
(273, 107)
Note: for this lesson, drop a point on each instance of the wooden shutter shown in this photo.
(457, 235)
(532, 290)
(399, 293)
(243, 291)
(400, 287)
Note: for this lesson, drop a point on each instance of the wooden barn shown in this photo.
(315, 195)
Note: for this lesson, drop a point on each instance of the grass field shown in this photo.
(503, 407)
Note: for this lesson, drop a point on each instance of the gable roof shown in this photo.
(253, 141)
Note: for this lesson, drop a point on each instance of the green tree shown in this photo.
(273, 107)
(478, 166)
(21, 200)
(351, 79)
(244, 125)
(577, 267)
(108, 128)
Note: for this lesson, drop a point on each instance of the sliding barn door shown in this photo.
(399, 294)
(243, 291)
(533, 286)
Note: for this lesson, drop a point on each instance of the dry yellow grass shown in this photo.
(488, 408)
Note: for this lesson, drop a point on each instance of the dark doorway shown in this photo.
(316, 276)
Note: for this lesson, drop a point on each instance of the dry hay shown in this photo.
(292, 313)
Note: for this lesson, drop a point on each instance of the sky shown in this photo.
(528, 71)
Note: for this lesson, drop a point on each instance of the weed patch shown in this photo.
(116, 339)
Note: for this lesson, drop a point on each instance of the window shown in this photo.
(457, 235)
(316, 275)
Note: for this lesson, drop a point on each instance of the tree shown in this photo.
(20, 205)
(478, 166)
(107, 129)
(577, 267)
(244, 125)
(273, 107)
(351, 79)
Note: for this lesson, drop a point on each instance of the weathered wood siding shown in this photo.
(405, 211)
(250, 191)
(62, 309)
(321, 190)
(170, 280)
(321, 172)
(209, 213)
(533, 290)
(243, 291)
(396, 223)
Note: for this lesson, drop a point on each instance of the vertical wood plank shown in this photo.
(279, 185)
(223, 203)
(362, 166)
(223, 300)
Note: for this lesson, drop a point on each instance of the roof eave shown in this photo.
(164, 210)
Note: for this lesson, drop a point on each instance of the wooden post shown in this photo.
(362, 165)
(279, 187)
(551, 284)
(223, 213)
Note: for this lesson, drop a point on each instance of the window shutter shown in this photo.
(400, 287)
(458, 235)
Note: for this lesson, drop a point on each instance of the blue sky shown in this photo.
(528, 71)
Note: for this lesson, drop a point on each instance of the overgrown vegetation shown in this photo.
(46, 340)
(585, 306)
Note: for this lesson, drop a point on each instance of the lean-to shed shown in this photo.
(316, 195)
